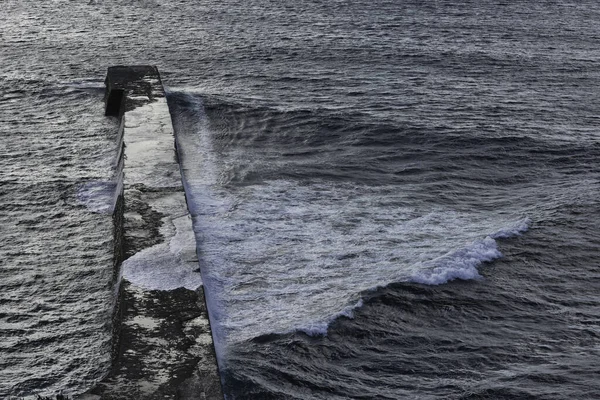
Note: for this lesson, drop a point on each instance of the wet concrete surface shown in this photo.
(163, 347)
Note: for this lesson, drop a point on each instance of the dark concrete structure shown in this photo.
(163, 347)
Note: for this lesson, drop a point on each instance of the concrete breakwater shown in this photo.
(163, 346)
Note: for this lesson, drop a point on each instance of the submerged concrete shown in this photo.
(163, 345)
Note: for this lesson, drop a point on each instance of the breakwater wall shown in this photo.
(162, 342)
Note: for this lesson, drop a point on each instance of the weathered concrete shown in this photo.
(163, 343)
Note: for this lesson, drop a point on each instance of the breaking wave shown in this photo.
(460, 264)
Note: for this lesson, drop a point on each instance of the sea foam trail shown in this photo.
(280, 255)
(98, 196)
(166, 266)
(459, 264)
(463, 263)
(198, 164)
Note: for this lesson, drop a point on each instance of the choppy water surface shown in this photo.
(391, 199)
(56, 251)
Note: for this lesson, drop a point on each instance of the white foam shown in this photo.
(459, 264)
(168, 265)
(158, 269)
(281, 256)
(98, 196)
(287, 257)
(514, 230)
(463, 263)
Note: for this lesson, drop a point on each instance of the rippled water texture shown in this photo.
(56, 253)
(344, 161)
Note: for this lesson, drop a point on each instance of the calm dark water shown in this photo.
(391, 199)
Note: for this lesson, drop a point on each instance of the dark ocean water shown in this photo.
(392, 199)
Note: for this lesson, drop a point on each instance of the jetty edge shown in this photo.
(162, 344)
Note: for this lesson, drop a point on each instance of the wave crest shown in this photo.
(463, 263)
(319, 328)
(460, 264)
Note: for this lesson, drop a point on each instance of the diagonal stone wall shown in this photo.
(163, 346)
